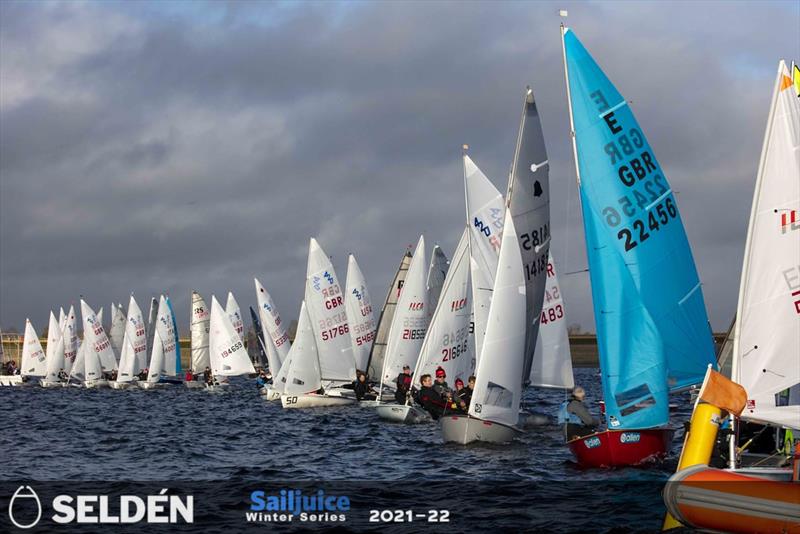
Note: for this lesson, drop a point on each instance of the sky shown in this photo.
(169, 146)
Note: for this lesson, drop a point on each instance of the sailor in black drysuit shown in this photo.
(403, 385)
(430, 399)
(575, 417)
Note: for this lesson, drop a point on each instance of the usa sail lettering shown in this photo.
(637, 170)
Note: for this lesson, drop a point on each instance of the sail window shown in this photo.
(635, 399)
(497, 395)
(297, 381)
(788, 397)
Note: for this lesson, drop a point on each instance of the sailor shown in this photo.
(430, 399)
(189, 376)
(362, 389)
(465, 394)
(403, 385)
(261, 381)
(440, 384)
(458, 395)
(62, 376)
(143, 374)
(575, 417)
(207, 376)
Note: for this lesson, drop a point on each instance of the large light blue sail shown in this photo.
(652, 329)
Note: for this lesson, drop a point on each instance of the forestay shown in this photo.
(652, 330)
(228, 355)
(33, 361)
(325, 305)
(360, 315)
(767, 336)
(529, 204)
(303, 373)
(199, 332)
(485, 211)
(55, 350)
(498, 387)
(410, 320)
(552, 361)
(447, 343)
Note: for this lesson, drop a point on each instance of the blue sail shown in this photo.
(177, 339)
(653, 334)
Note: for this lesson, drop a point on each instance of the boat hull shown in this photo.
(152, 385)
(464, 429)
(96, 384)
(194, 384)
(122, 385)
(714, 499)
(269, 394)
(402, 413)
(313, 401)
(10, 380)
(620, 448)
(49, 384)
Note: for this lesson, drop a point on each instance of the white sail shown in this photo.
(410, 322)
(235, 314)
(485, 212)
(446, 343)
(276, 338)
(279, 379)
(136, 331)
(62, 320)
(360, 315)
(100, 316)
(151, 321)
(304, 374)
(325, 304)
(78, 369)
(529, 204)
(127, 360)
(117, 331)
(437, 272)
(98, 347)
(34, 361)
(200, 327)
(552, 361)
(498, 388)
(767, 331)
(163, 360)
(228, 355)
(70, 340)
(55, 350)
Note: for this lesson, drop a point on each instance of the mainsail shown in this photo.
(165, 333)
(360, 315)
(137, 335)
(552, 362)
(376, 354)
(228, 355)
(652, 330)
(55, 350)
(325, 305)
(260, 354)
(410, 322)
(446, 343)
(529, 204)
(276, 338)
(97, 347)
(117, 330)
(767, 333)
(235, 314)
(33, 361)
(70, 340)
(498, 388)
(199, 332)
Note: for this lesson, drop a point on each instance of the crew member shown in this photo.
(403, 385)
(575, 417)
(430, 399)
(362, 389)
(440, 384)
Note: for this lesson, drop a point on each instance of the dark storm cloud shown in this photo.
(170, 146)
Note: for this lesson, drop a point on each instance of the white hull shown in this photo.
(463, 429)
(123, 385)
(10, 380)
(402, 413)
(269, 394)
(313, 401)
(194, 384)
(96, 384)
(49, 384)
(151, 385)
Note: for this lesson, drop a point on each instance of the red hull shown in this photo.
(620, 448)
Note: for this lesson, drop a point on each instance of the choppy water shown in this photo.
(191, 435)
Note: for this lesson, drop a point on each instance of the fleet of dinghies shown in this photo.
(495, 311)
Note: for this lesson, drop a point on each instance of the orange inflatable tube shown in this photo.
(707, 498)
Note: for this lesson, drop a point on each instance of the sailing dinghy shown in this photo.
(276, 340)
(164, 355)
(96, 349)
(360, 315)
(133, 348)
(765, 358)
(228, 355)
(54, 355)
(653, 335)
(33, 363)
(302, 379)
(199, 334)
(447, 342)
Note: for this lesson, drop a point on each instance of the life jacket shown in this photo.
(565, 416)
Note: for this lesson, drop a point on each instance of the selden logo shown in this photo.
(100, 509)
(291, 504)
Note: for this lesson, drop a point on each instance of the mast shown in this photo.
(569, 107)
